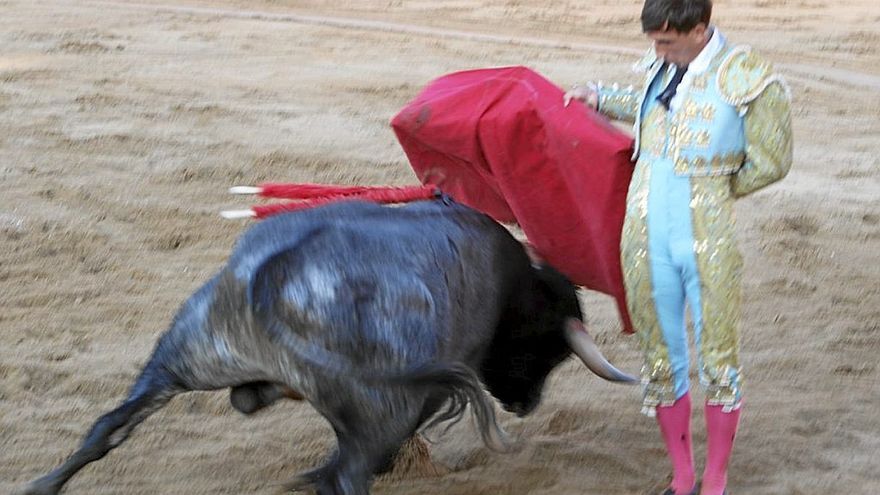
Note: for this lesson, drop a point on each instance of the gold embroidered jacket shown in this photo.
(735, 120)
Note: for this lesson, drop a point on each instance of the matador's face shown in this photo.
(679, 48)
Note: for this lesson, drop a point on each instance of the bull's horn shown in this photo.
(585, 347)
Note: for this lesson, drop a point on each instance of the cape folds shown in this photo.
(501, 141)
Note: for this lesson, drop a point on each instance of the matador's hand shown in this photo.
(584, 93)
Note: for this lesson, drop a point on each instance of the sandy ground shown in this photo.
(122, 124)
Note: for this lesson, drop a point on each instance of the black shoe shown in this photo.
(695, 491)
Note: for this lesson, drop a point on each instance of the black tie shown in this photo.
(666, 96)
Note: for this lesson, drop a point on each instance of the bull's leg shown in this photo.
(184, 359)
(357, 461)
(151, 391)
(365, 446)
(346, 474)
(368, 444)
(251, 397)
(415, 445)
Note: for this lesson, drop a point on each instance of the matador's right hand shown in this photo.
(584, 93)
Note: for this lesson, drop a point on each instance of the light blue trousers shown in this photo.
(674, 272)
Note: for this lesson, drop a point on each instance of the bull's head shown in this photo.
(539, 330)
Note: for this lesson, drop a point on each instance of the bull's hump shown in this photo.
(313, 292)
(363, 314)
(324, 293)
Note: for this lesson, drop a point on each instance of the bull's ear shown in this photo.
(583, 345)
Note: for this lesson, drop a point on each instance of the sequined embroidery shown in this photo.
(658, 387)
(700, 166)
(700, 83)
(743, 75)
(654, 131)
(720, 265)
(620, 104)
(768, 141)
(683, 136)
(692, 111)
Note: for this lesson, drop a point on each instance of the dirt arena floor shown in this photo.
(122, 124)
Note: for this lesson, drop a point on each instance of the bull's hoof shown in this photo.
(41, 486)
(695, 491)
(295, 484)
(303, 481)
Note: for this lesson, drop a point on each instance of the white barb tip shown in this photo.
(245, 190)
(233, 214)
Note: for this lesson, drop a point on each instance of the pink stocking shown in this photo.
(720, 432)
(675, 425)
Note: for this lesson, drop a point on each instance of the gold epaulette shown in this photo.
(743, 75)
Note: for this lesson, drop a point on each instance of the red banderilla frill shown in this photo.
(312, 195)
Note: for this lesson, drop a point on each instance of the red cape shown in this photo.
(500, 141)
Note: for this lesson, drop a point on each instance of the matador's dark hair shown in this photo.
(680, 15)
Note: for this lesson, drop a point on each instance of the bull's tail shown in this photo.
(460, 385)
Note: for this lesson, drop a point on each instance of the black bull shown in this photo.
(384, 319)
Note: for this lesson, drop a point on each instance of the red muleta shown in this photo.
(501, 141)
